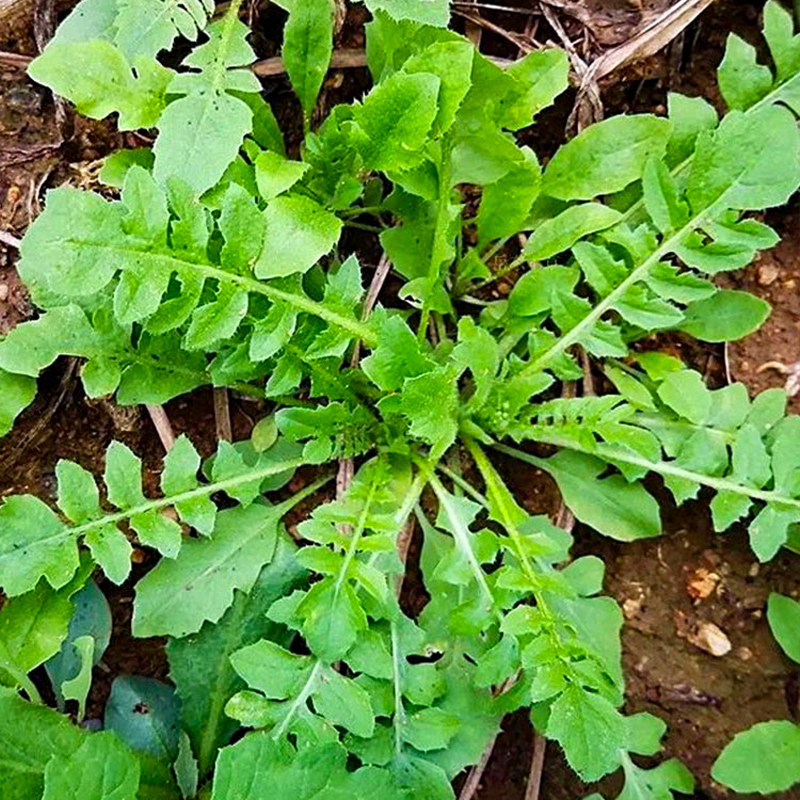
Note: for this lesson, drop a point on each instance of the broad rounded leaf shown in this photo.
(762, 759)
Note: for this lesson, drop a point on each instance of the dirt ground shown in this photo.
(670, 589)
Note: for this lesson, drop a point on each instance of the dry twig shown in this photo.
(588, 105)
(344, 475)
(515, 39)
(222, 414)
(162, 425)
(342, 59)
(14, 59)
(537, 764)
(656, 35)
(10, 240)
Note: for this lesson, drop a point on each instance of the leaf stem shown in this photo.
(203, 491)
(682, 166)
(500, 502)
(298, 301)
(609, 453)
(355, 539)
(8, 664)
(399, 710)
(505, 507)
(465, 485)
(462, 536)
(439, 246)
(585, 325)
(220, 62)
(298, 701)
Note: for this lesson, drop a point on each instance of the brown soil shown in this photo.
(703, 699)
(771, 356)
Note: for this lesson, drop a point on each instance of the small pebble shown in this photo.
(631, 607)
(744, 653)
(767, 274)
(701, 583)
(711, 639)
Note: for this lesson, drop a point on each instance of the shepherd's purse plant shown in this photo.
(214, 258)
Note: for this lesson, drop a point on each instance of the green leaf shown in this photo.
(97, 78)
(784, 45)
(559, 233)
(657, 783)
(186, 769)
(726, 316)
(200, 133)
(783, 615)
(537, 291)
(430, 402)
(32, 628)
(544, 74)
(689, 117)
(427, 12)
(742, 81)
(33, 544)
(686, 394)
(506, 203)
(254, 766)
(179, 594)
(200, 665)
(307, 47)
(102, 768)
(612, 506)
(217, 320)
(77, 688)
(29, 736)
(738, 161)
(270, 668)
(429, 729)
(589, 729)
(343, 702)
(276, 174)
(242, 227)
(89, 19)
(78, 496)
(661, 197)
(99, 245)
(91, 618)
(760, 759)
(605, 158)
(397, 356)
(123, 476)
(395, 119)
(298, 233)
(144, 713)
(16, 393)
(116, 165)
(180, 475)
(332, 619)
(111, 549)
(145, 27)
(478, 352)
(451, 63)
